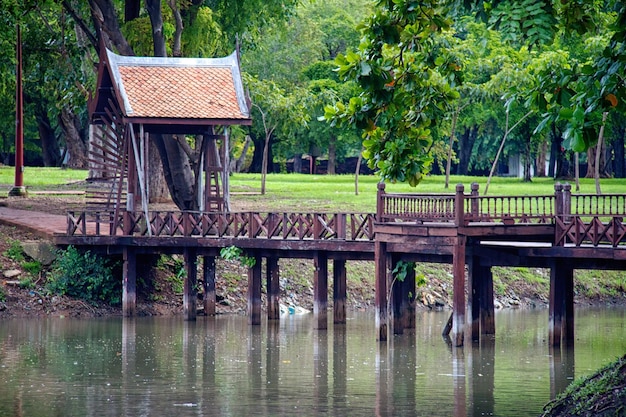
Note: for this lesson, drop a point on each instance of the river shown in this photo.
(221, 366)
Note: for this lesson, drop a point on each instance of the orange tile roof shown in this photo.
(180, 92)
(180, 88)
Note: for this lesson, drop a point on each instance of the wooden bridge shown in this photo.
(560, 231)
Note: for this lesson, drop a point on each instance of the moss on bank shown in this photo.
(602, 394)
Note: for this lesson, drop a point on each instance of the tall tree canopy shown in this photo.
(410, 80)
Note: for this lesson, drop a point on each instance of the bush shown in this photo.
(86, 276)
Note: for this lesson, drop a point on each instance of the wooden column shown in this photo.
(487, 313)
(380, 268)
(458, 300)
(339, 291)
(129, 282)
(407, 304)
(458, 272)
(273, 288)
(208, 283)
(473, 302)
(320, 290)
(561, 309)
(254, 292)
(396, 298)
(480, 303)
(190, 293)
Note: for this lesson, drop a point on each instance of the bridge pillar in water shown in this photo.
(380, 268)
(561, 309)
(129, 282)
(190, 294)
(458, 296)
(480, 303)
(402, 297)
(339, 291)
(273, 288)
(254, 292)
(208, 285)
(320, 290)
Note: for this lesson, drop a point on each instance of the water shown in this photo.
(223, 367)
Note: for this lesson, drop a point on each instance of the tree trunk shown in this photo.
(105, 19)
(465, 151)
(75, 142)
(50, 150)
(332, 155)
(297, 163)
(541, 160)
(177, 172)
(176, 49)
(156, 20)
(158, 191)
(618, 153)
(236, 164)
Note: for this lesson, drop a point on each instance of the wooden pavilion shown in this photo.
(139, 96)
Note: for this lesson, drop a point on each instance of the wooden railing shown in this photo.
(590, 219)
(582, 219)
(254, 225)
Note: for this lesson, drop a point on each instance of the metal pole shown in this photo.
(19, 189)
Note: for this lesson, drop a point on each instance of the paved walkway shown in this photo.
(41, 224)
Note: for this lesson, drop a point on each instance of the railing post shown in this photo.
(380, 203)
(459, 205)
(341, 225)
(474, 201)
(127, 225)
(567, 202)
(558, 199)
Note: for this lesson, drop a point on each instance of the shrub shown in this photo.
(86, 276)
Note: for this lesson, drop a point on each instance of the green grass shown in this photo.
(36, 178)
(321, 193)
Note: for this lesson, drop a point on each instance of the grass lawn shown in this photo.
(318, 192)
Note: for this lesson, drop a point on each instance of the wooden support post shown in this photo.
(474, 292)
(561, 309)
(273, 288)
(190, 292)
(458, 272)
(380, 268)
(568, 300)
(339, 291)
(208, 283)
(458, 300)
(320, 290)
(129, 282)
(396, 298)
(254, 292)
(487, 313)
(407, 303)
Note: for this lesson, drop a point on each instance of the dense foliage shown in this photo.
(86, 276)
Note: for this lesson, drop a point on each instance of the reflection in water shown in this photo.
(222, 366)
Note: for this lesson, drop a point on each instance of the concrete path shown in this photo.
(44, 225)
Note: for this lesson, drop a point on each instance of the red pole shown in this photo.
(19, 189)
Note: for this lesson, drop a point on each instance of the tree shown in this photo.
(401, 59)
(167, 31)
(399, 55)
